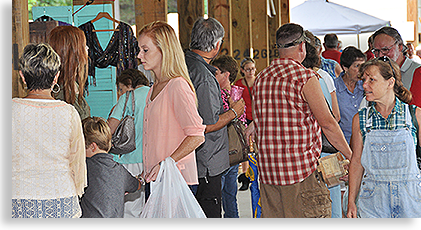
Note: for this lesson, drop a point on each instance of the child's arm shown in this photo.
(133, 183)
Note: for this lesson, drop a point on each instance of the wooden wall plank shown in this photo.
(412, 15)
(221, 11)
(274, 23)
(188, 12)
(20, 38)
(259, 32)
(284, 9)
(149, 11)
(241, 29)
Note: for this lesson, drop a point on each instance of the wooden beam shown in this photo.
(188, 12)
(221, 11)
(241, 29)
(20, 38)
(274, 23)
(412, 15)
(284, 9)
(150, 11)
(259, 32)
(96, 2)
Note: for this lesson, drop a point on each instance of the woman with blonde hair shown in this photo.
(70, 44)
(172, 125)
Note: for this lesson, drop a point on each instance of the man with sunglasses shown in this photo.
(388, 42)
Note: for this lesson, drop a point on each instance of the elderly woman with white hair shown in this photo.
(48, 148)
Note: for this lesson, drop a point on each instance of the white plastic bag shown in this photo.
(171, 197)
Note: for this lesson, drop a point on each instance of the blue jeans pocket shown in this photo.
(367, 189)
(414, 189)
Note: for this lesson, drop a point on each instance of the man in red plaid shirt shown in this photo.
(289, 113)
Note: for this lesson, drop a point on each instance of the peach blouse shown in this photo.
(168, 119)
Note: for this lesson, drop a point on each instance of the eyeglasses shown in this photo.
(383, 50)
(387, 59)
(249, 70)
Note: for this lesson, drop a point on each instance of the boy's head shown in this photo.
(96, 130)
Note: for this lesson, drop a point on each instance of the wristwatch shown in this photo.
(142, 181)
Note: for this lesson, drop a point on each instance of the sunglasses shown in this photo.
(387, 59)
(302, 38)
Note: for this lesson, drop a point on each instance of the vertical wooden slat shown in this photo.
(412, 15)
(221, 11)
(20, 38)
(188, 12)
(284, 9)
(259, 32)
(274, 23)
(241, 28)
(149, 11)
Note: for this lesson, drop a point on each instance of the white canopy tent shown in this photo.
(321, 17)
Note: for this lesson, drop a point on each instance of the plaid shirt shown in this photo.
(288, 135)
(395, 120)
(328, 65)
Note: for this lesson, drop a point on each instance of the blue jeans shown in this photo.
(229, 189)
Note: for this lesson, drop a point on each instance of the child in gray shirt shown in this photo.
(108, 180)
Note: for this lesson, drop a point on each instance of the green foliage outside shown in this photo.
(32, 3)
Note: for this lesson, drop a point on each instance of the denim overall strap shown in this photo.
(391, 184)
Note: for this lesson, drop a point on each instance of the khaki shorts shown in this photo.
(307, 199)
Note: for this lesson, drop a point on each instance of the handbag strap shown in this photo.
(133, 102)
(125, 103)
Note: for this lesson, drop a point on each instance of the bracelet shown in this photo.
(141, 180)
(234, 112)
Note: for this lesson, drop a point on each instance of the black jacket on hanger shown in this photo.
(120, 52)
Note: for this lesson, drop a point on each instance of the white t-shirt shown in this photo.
(328, 79)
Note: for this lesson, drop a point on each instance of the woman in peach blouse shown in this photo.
(172, 125)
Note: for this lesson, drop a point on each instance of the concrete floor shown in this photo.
(244, 203)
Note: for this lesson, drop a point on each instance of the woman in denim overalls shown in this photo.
(383, 142)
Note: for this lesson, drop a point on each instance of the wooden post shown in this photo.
(259, 32)
(20, 38)
(149, 11)
(188, 12)
(284, 9)
(241, 29)
(412, 15)
(274, 24)
(221, 11)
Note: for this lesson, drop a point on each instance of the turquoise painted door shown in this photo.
(58, 13)
(103, 96)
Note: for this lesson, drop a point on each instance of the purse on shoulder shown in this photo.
(123, 140)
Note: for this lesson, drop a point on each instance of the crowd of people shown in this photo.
(364, 103)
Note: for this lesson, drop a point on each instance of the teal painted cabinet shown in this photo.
(102, 97)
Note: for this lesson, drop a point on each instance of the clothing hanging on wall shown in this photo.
(121, 51)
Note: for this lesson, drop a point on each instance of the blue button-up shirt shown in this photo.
(348, 104)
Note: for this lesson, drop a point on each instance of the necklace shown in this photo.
(39, 96)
